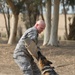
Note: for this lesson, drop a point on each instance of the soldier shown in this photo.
(21, 55)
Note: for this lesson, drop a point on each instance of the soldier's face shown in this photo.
(40, 27)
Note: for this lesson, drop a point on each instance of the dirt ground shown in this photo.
(63, 58)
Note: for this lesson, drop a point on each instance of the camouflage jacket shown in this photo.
(20, 49)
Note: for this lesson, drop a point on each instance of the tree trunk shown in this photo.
(5, 23)
(71, 35)
(41, 10)
(65, 16)
(54, 29)
(15, 10)
(13, 31)
(8, 15)
(48, 23)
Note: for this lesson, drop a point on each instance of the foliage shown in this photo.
(71, 3)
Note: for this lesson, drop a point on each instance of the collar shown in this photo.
(46, 69)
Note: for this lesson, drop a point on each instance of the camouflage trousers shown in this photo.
(27, 65)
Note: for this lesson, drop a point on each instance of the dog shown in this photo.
(45, 65)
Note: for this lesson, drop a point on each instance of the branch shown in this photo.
(20, 4)
(15, 8)
(11, 5)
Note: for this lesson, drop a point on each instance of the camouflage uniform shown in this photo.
(21, 56)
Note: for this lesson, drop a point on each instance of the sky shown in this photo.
(70, 11)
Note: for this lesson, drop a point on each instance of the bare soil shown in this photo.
(63, 58)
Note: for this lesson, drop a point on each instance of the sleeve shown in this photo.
(34, 36)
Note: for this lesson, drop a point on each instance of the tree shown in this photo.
(15, 10)
(71, 35)
(65, 16)
(48, 22)
(54, 28)
(2, 6)
(8, 16)
(67, 3)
